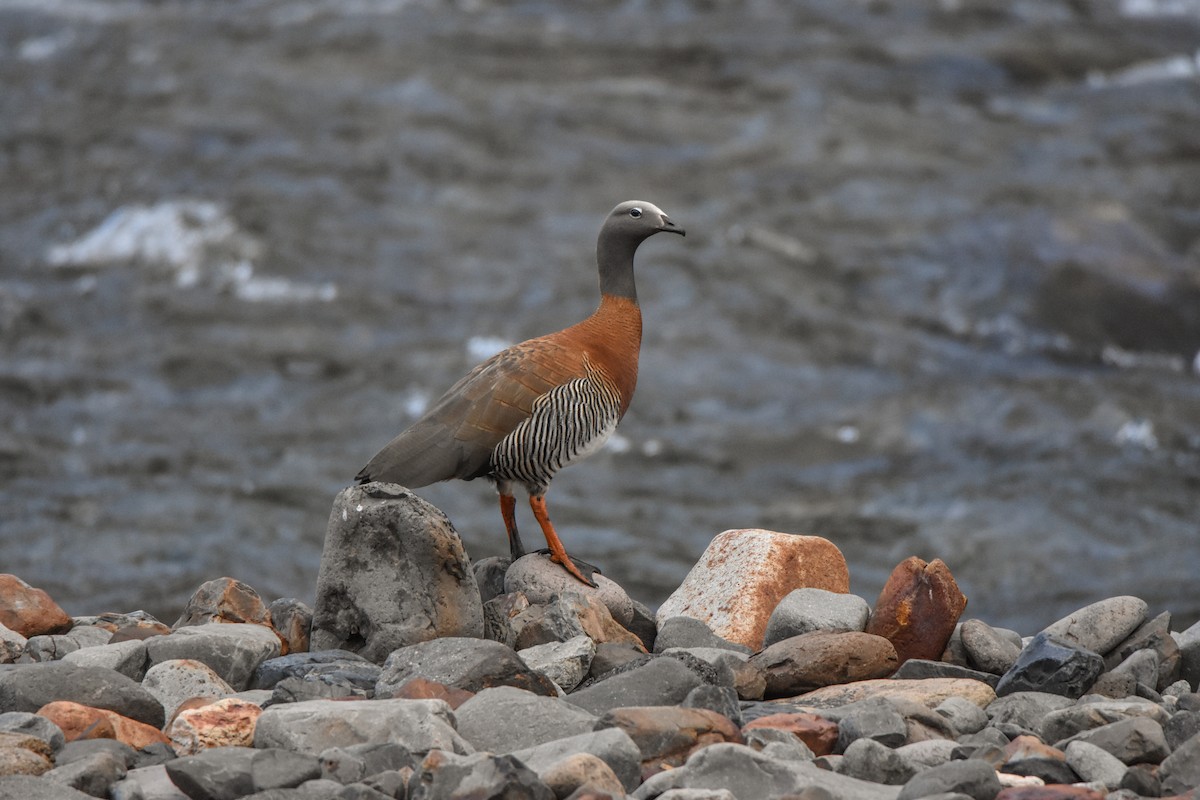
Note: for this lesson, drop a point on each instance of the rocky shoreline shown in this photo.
(418, 674)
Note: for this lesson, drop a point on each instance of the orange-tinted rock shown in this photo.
(1054, 791)
(1023, 747)
(133, 733)
(226, 723)
(918, 609)
(930, 692)
(139, 630)
(667, 735)
(78, 721)
(85, 722)
(292, 620)
(224, 600)
(582, 770)
(29, 611)
(824, 658)
(743, 574)
(425, 689)
(820, 734)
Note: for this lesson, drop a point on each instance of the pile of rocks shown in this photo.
(427, 677)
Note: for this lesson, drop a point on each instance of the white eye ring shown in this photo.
(635, 212)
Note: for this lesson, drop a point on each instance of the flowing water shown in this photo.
(940, 293)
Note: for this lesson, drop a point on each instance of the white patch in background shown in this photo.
(617, 444)
(1160, 8)
(848, 434)
(415, 402)
(41, 48)
(484, 347)
(1127, 359)
(1196, 363)
(1162, 69)
(1139, 432)
(195, 241)
(652, 448)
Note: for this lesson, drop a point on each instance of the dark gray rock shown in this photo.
(749, 774)
(462, 663)
(93, 774)
(232, 650)
(1154, 635)
(1142, 666)
(1050, 769)
(920, 669)
(962, 715)
(804, 610)
(611, 656)
(1189, 655)
(489, 576)
(928, 753)
(611, 745)
(419, 587)
(317, 686)
(221, 773)
(224, 773)
(1066, 722)
(987, 649)
(1135, 740)
(688, 632)
(275, 768)
(1026, 709)
(446, 776)
(643, 625)
(1180, 771)
(1100, 626)
(358, 762)
(1182, 726)
(300, 665)
(663, 681)
(974, 778)
(487, 719)
(316, 725)
(1142, 780)
(871, 719)
(31, 724)
(777, 743)
(721, 699)
(27, 787)
(393, 783)
(81, 749)
(1051, 665)
(869, 760)
(153, 755)
(28, 687)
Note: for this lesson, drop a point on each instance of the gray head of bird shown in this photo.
(638, 220)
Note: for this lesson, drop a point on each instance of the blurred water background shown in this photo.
(940, 293)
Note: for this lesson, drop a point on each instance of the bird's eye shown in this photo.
(635, 212)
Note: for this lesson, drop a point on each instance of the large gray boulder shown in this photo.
(28, 687)
(316, 725)
(393, 573)
(486, 720)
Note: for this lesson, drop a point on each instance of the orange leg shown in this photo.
(508, 510)
(557, 551)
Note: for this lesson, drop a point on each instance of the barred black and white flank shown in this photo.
(568, 423)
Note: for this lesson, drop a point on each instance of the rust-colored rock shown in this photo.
(228, 722)
(820, 734)
(667, 735)
(1053, 791)
(931, 692)
(918, 609)
(85, 722)
(29, 611)
(424, 689)
(224, 600)
(78, 721)
(1025, 747)
(743, 574)
(824, 658)
(139, 630)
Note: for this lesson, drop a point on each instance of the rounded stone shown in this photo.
(540, 580)
(808, 609)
